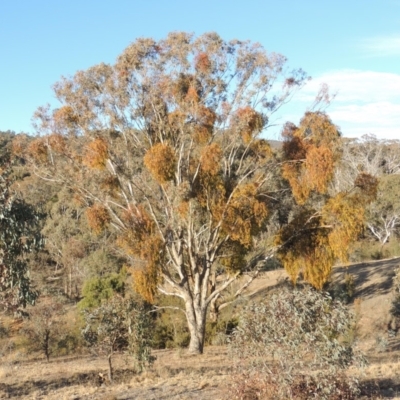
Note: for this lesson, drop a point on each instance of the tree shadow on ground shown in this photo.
(380, 388)
(17, 390)
(370, 278)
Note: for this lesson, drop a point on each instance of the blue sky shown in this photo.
(352, 45)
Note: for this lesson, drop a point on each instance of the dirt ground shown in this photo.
(175, 375)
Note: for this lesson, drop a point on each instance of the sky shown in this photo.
(351, 45)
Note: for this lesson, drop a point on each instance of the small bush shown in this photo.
(97, 289)
(120, 324)
(291, 346)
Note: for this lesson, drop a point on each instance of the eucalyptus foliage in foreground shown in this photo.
(19, 236)
(293, 345)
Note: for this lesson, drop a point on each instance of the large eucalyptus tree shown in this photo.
(166, 146)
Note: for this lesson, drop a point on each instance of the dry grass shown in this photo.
(176, 375)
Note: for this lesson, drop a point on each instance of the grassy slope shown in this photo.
(178, 376)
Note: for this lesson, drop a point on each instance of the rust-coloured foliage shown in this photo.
(57, 142)
(318, 127)
(19, 145)
(96, 154)
(261, 149)
(202, 63)
(211, 158)
(98, 217)
(37, 149)
(183, 209)
(310, 151)
(320, 167)
(65, 116)
(192, 95)
(313, 242)
(203, 129)
(245, 214)
(188, 168)
(346, 216)
(249, 123)
(161, 162)
(147, 278)
(176, 122)
(142, 241)
(185, 89)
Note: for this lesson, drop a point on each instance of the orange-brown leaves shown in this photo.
(296, 175)
(345, 215)
(96, 154)
(311, 151)
(183, 209)
(294, 148)
(147, 278)
(98, 217)
(312, 243)
(202, 63)
(37, 149)
(261, 149)
(176, 121)
(141, 240)
(160, 160)
(211, 158)
(185, 89)
(65, 116)
(319, 167)
(205, 119)
(192, 95)
(245, 214)
(249, 122)
(318, 127)
(57, 142)
(305, 249)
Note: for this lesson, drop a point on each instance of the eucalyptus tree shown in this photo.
(166, 147)
(19, 236)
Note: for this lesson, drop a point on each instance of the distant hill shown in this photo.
(275, 144)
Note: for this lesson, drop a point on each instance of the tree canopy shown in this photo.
(166, 147)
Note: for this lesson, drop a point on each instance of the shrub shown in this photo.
(120, 324)
(291, 346)
(97, 289)
(43, 329)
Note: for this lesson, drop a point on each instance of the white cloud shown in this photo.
(381, 46)
(355, 85)
(366, 101)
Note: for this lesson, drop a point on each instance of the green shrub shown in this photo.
(97, 289)
(291, 346)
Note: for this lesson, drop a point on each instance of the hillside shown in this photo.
(178, 376)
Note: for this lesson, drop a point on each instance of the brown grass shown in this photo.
(176, 375)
